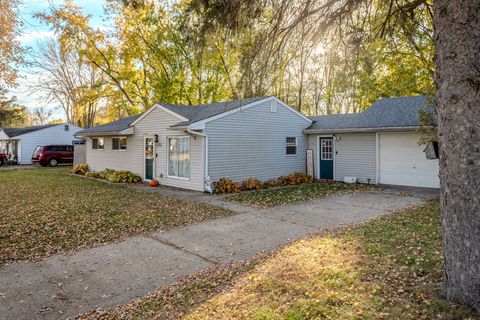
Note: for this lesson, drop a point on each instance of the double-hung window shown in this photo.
(291, 144)
(119, 143)
(97, 143)
(179, 157)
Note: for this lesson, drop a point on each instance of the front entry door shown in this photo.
(149, 158)
(326, 158)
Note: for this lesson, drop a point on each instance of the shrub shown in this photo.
(251, 184)
(93, 174)
(226, 185)
(105, 173)
(80, 169)
(116, 176)
(270, 183)
(282, 181)
(124, 176)
(299, 178)
(293, 179)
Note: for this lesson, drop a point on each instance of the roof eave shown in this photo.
(179, 128)
(124, 132)
(353, 130)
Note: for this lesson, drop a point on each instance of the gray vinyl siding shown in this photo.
(355, 156)
(251, 143)
(132, 159)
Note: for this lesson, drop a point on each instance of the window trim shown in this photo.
(317, 162)
(119, 145)
(168, 157)
(330, 152)
(103, 143)
(290, 144)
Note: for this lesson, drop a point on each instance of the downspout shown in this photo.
(205, 169)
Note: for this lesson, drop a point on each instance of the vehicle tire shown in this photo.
(53, 162)
(1, 162)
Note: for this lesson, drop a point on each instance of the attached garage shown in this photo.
(378, 145)
(403, 162)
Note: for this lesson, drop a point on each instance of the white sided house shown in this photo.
(19, 143)
(181, 146)
(264, 138)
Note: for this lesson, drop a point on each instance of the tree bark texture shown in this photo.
(457, 77)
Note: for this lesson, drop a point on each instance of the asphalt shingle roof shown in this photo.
(204, 111)
(14, 132)
(192, 113)
(114, 126)
(386, 112)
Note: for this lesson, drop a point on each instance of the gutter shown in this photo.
(123, 132)
(314, 131)
(205, 169)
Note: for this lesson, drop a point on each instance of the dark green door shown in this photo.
(326, 158)
(149, 158)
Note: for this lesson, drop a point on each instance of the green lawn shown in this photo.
(389, 268)
(46, 210)
(265, 198)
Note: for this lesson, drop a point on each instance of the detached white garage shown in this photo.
(20, 143)
(378, 145)
(403, 162)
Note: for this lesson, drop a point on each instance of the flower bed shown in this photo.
(226, 185)
(115, 176)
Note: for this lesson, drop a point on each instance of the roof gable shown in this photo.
(204, 111)
(187, 114)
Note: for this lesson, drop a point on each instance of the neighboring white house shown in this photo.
(264, 138)
(20, 143)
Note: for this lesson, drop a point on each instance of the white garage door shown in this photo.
(402, 162)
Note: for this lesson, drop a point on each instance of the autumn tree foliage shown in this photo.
(11, 56)
(156, 51)
(457, 96)
(10, 49)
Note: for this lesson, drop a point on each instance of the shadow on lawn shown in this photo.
(388, 268)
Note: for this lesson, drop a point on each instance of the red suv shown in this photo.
(53, 154)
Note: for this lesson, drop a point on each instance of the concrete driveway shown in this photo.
(63, 286)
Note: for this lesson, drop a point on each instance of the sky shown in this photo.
(34, 30)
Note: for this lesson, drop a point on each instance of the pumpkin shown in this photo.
(153, 183)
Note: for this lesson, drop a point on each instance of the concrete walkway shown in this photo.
(63, 286)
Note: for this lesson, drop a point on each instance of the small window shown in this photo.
(119, 143)
(291, 143)
(327, 149)
(66, 127)
(97, 143)
(273, 106)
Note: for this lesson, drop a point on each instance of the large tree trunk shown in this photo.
(457, 60)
